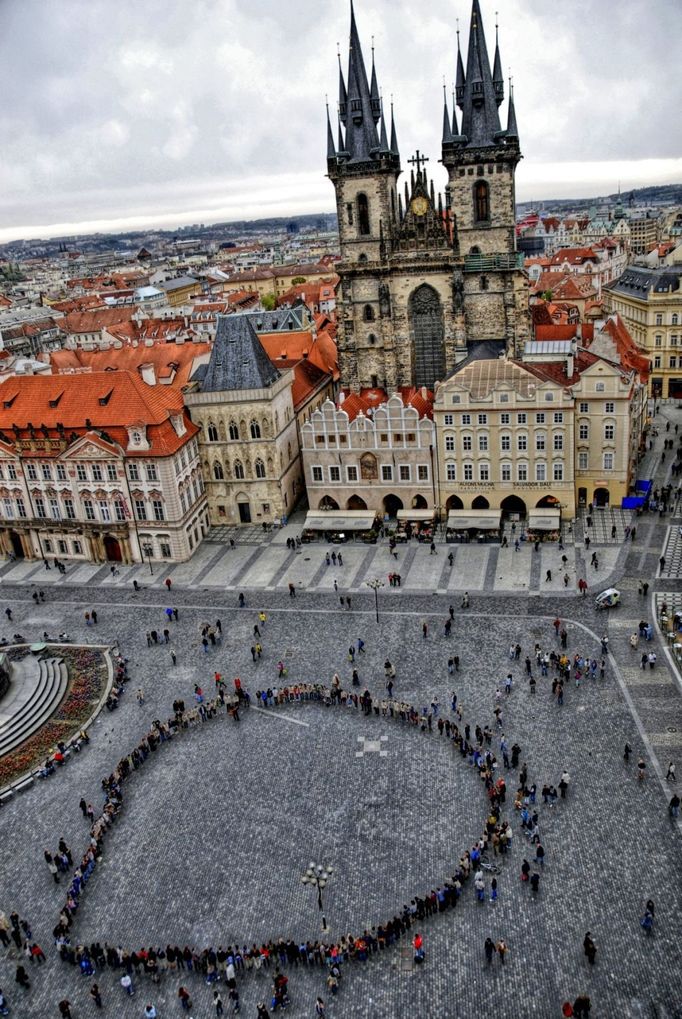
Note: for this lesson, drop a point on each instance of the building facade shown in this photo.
(424, 278)
(248, 437)
(111, 473)
(650, 303)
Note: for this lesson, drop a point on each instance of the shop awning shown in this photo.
(545, 519)
(417, 515)
(340, 520)
(482, 520)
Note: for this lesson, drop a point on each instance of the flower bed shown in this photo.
(87, 684)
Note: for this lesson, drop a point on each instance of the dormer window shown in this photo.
(136, 438)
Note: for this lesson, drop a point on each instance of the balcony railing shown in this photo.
(493, 263)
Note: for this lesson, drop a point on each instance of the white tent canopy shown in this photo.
(544, 519)
(416, 514)
(484, 520)
(339, 520)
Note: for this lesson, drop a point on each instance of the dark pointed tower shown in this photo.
(481, 162)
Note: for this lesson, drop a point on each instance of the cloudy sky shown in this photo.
(127, 114)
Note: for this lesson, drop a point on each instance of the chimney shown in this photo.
(148, 373)
(570, 360)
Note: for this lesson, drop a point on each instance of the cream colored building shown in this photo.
(380, 458)
(650, 303)
(248, 438)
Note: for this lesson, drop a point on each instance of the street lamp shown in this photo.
(318, 876)
(147, 550)
(375, 585)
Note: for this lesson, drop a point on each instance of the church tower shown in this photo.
(481, 160)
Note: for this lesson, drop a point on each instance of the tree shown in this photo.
(268, 302)
(298, 279)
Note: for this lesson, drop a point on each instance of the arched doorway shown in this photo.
(243, 508)
(601, 497)
(17, 544)
(480, 502)
(356, 503)
(454, 503)
(427, 332)
(391, 505)
(327, 503)
(419, 502)
(548, 501)
(513, 505)
(112, 548)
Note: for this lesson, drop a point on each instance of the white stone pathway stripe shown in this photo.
(282, 718)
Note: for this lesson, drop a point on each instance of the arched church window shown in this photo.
(484, 282)
(260, 468)
(427, 333)
(238, 469)
(233, 430)
(362, 258)
(363, 214)
(212, 432)
(481, 202)
(218, 473)
(368, 313)
(254, 428)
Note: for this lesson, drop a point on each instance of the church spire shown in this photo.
(394, 136)
(375, 97)
(512, 129)
(461, 78)
(498, 77)
(361, 134)
(447, 128)
(383, 140)
(343, 95)
(331, 148)
(480, 119)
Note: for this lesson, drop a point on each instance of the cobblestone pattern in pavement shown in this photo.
(266, 796)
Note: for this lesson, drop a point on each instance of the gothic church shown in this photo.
(424, 278)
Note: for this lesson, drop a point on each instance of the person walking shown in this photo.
(548, 577)
(127, 984)
(218, 1003)
(589, 948)
(96, 996)
(501, 950)
(169, 583)
(174, 657)
(65, 1008)
(489, 949)
(670, 776)
(563, 783)
(150, 1012)
(320, 1009)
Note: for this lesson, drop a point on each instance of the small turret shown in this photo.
(375, 98)
(512, 129)
(394, 136)
(498, 78)
(331, 148)
(461, 77)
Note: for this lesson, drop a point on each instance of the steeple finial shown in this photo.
(447, 128)
(394, 136)
(498, 76)
(383, 140)
(374, 91)
(343, 95)
(512, 129)
(461, 78)
(331, 148)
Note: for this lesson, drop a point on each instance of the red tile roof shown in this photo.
(94, 321)
(173, 363)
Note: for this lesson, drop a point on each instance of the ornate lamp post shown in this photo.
(318, 876)
(375, 585)
(147, 550)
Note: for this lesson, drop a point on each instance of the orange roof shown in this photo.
(87, 301)
(369, 399)
(564, 332)
(94, 321)
(292, 346)
(574, 256)
(102, 400)
(630, 354)
(308, 379)
(173, 363)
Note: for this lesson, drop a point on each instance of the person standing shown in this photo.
(501, 950)
(65, 1008)
(590, 948)
(320, 1009)
(169, 583)
(96, 996)
(563, 783)
(670, 777)
(218, 1003)
(489, 949)
(127, 984)
(174, 657)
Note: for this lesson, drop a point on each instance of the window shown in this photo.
(609, 432)
(483, 283)
(165, 549)
(254, 429)
(558, 472)
(659, 319)
(456, 398)
(386, 472)
(31, 472)
(363, 214)
(212, 432)
(549, 397)
(583, 432)
(658, 340)
(46, 472)
(484, 472)
(450, 471)
(368, 313)
(238, 470)
(673, 362)
(449, 442)
(233, 431)
(157, 506)
(505, 443)
(506, 472)
(112, 473)
(69, 509)
(481, 202)
(657, 361)
(599, 387)
(21, 509)
(466, 419)
(422, 472)
(151, 472)
(133, 472)
(540, 440)
(673, 340)
(583, 461)
(77, 548)
(448, 419)
(483, 419)
(317, 474)
(608, 461)
(674, 320)
(584, 408)
(521, 418)
(218, 472)
(541, 472)
(89, 508)
(61, 547)
(351, 473)
(609, 407)
(8, 508)
(96, 472)
(11, 472)
(522, 472)
(48, 545)
(522, 443)
(404, 472)
(540, 418)
(334, 473)
(468, 472)
(54, 509)
(140, 509)
(558, 443)
(505, 418)
(104, 511)
(260, 468)
(119, 510)
(483, 443)
(40, 507)
(467, 443)
(349, 213)
(558, 417)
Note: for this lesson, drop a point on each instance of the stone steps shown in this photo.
(52, 683)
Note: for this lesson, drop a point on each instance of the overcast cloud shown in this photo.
(118, 114)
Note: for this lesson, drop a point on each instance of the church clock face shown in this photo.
(419, 206)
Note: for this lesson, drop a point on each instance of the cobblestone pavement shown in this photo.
(218, 828)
